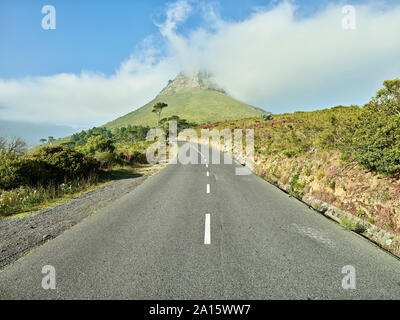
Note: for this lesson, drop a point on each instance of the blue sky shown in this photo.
(96, 35)
(107, 58)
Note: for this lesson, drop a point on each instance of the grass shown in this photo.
(295, 134)
(295, 186)
(349, 224)
(194, 105)
(22, 201)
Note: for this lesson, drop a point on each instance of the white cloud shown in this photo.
(176, 12)
(86, 99)
(272, 59)
(286, 63)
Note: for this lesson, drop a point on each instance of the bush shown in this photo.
(139, 157)
(288, 153)
(98, 144)
(24, 171)
(108, 159)
(67, 164)
(349, 224)
(376, 137)
(34, 172)
(50, 164)
(9, 177)
(267, 117)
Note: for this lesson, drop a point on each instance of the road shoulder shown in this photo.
(18, 236)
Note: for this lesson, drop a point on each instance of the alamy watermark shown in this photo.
(232, 147)
(49, 20)
(349, 21)
(49, 280)
(349, 280)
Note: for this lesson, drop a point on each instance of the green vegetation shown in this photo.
(158, 108)
(330, 183)
(332, 147)
(349, 224)
(124, 134)
(360, 213)
(53, 172)
(26, 198)
(45, 175)
(369, 135)
(194, 105)
(180, 123)
(375, 142)
(295, 186)
(48, 165)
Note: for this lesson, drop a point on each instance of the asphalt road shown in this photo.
(153, 243)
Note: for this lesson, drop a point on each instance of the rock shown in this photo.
(46, 237)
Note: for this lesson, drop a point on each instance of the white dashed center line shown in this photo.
(207, 230)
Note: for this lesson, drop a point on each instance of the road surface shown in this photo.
(202, 232)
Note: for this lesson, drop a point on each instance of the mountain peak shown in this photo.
(193, 97)
(188, 81)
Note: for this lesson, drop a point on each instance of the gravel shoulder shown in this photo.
(18, 236)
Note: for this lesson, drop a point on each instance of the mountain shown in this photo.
(195, 98)
(32, 132)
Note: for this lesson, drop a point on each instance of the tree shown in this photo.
(157, 108)
(98, 143)
(43, 140)
(180, 123)
(51, 140)
(267, 117)
(69, 145)
(17, 146)
(132, 133)
(387, 99)
(3, 143)
(14, 146)
(375, 139)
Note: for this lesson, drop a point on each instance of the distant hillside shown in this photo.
(195, 98)
(32, 132)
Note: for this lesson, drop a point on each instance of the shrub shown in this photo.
(330, 183)
(267, 117)
(58, 164)
(352, 225)
(360, 213)
(97, 143)
(376, 137)
(108, 159)
(32, 171)
(371, 220)
(9, 177)
(66, 163)
(344, 156)
(24, 171)
(295, 186)
(139, 157)
(288, 153)
(49, 164)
